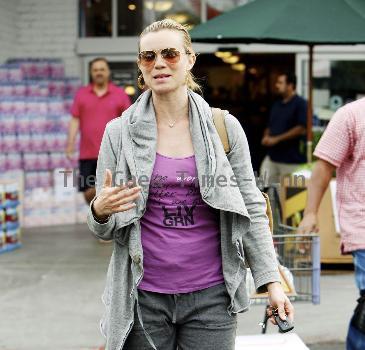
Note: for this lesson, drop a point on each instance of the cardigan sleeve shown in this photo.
(106, 160)
(258, 243)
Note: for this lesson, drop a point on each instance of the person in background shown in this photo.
(285, 131)
(342, 148)
(94, 106)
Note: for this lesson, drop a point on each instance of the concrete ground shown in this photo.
(328, 346)
(50, 296)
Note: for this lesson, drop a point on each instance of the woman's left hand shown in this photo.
(279, 300)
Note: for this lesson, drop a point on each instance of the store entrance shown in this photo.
(244, 84)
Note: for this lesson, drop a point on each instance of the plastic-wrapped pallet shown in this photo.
(81, 208)
(35, 101)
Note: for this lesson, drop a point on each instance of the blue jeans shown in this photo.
(356, 339)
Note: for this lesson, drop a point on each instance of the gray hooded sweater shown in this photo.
(128, 149)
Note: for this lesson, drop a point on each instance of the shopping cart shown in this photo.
(298, 258)
(299, 265)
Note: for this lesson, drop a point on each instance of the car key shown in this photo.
(284, 325)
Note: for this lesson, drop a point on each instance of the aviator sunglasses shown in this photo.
(170, 55)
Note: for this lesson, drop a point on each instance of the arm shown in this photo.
(258, 244)
(321, 177)
(110, 199)
(293, 133)
(298, 130)
(74, 125)
(265, 137)
(73, 129)
(257, 241)
(334, 147)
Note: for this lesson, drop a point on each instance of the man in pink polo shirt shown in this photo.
(94, 106)
(342, 148)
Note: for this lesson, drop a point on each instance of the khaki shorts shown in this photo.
(271, 173)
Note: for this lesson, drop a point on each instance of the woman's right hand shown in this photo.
(114, 199)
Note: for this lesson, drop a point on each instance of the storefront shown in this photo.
(239, 78)
(110, 28)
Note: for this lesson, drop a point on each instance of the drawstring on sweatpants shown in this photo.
(174, 310)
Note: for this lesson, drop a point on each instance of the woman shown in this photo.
(176, 277)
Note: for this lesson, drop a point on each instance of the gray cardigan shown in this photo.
(128, 149)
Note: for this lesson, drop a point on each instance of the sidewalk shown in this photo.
(328, 346)
(51, 296)
(326, 322)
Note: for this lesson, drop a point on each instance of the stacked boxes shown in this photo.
(58, 203)
(9, 216)
(35, 101)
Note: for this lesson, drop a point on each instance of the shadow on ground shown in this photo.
(327, 346)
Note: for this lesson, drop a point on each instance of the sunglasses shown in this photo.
(170, 55)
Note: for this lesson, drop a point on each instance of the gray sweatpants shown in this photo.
(188, 321)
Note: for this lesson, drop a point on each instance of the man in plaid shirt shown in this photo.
(342, 148)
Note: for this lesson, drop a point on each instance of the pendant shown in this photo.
(171, 125)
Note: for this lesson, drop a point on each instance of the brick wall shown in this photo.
(40, 28)
(7, 28)
(48, 28)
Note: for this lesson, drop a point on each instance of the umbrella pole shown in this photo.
(310, 107)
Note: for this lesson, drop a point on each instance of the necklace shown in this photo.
(171, 125)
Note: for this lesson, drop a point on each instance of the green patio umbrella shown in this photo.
(309, 22)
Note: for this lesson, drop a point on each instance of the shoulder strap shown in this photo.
(218, 120)
(269, 212)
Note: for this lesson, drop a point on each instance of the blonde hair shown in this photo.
(173, 25)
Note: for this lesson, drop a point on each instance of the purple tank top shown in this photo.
(180, 232)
